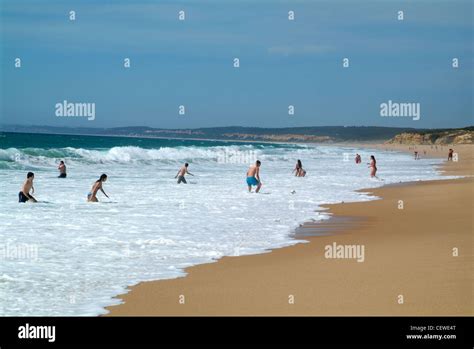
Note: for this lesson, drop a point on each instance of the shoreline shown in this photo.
(211, 285)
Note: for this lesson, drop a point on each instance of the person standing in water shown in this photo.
(253, 176)
(358, 159)
(373, 166)
(92, 195)
(62, 170)
(450, 154)
(183, 171)
(299, 171)
(24, 194)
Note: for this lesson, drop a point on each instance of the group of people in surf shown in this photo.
(372, 164)
(27, 189)
(253, 173)
(253, 178)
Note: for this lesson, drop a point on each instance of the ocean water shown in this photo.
(64, 256)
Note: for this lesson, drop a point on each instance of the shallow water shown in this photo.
(76, 256)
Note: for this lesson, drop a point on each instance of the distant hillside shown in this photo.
(327, 134)
(446, 136)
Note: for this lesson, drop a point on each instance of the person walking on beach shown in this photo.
(62, 170)
(373, 166)
(183, 171)
(92, 195)
(417, 157)
(299, 171)
(358, 159)
(24, 194)
(450, 154)
(253, 177)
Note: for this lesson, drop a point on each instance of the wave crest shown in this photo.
(125, 154)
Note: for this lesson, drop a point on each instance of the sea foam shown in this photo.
(152, 228)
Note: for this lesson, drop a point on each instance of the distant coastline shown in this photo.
(157, 137)
(322, 134)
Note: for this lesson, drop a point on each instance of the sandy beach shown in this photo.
(417, 260)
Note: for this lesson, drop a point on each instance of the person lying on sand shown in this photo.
(182, 172)
(91, 196)
(253, 176)
(24, 194)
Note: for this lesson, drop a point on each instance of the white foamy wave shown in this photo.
(137, 154)
(9, 154)
(127, 154)
(151, 227)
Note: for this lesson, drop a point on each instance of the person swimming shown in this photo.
(299, 171)
(373, 166)
(182, 172)
(253, 176)
(24, 194)
(62, 170)
(91, 196)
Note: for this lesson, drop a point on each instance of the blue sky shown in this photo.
(282, 62)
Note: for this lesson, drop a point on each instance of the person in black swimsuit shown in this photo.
(24, 195)
(62, 170)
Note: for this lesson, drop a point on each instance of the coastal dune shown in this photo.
(417, 260)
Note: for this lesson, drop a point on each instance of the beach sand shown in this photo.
(407, 252)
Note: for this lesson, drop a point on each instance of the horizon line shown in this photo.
(230, 126)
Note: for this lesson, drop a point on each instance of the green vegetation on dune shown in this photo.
(441, 136)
